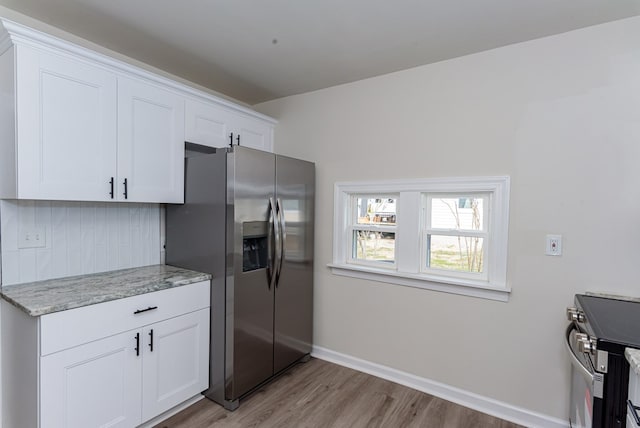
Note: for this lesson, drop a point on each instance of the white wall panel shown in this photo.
(80, 238)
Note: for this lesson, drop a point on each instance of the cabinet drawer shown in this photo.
(65, 329)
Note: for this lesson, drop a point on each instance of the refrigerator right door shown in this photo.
(293, 315)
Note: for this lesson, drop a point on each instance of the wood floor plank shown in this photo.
(321, 394)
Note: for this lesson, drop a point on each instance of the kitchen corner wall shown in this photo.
(79, 238)
(561, 116)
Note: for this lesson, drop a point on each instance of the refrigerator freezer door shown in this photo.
(293, 321)
(249, 312)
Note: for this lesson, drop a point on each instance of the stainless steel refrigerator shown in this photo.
(248, 220)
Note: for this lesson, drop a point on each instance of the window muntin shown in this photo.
(373, 221)
(455, 234)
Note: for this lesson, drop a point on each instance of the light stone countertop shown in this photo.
(53, 295)
(633, 356)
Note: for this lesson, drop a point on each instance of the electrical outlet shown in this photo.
(32, 238)
(554, 245)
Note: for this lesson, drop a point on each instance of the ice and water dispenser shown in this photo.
(255, 245)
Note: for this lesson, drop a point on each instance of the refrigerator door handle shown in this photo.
(283, 237)
(273, 244)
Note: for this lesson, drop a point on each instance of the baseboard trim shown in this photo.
(474, 401)
(166, 415)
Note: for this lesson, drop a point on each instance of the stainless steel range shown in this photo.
(600, 330)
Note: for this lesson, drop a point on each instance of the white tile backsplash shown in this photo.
(80, 238)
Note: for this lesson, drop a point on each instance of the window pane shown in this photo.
(374, 246)
(461, 213)
(376, 210)
(459, 253)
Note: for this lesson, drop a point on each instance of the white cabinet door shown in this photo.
(66, 126)
(150, 143)
(94, 385)
(176, 361)
(253, 133)
(207, 124)
(216, 126)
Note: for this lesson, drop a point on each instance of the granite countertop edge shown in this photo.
(55, 295)
(633, 356)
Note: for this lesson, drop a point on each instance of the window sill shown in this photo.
(447, 285)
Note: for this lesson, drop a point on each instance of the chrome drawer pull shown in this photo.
(150, 308)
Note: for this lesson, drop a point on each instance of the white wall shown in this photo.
(561, 116)
(80, 238)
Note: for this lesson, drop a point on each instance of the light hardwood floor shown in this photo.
(322, 394)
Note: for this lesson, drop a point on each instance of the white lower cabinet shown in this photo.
(126, 379)
(93, 385)
(173, 368)
(115, 364)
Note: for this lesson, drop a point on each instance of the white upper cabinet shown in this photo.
(66, 126)
(253, 133)
(150, 143)
(84, 133)
(218, 126)
(78, 125)
(207, 124)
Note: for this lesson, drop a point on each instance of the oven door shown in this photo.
(586, 387)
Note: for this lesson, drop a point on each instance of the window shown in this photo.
(446, 234)
(373, 230)
(454, 234)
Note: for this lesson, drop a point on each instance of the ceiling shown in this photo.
(258, 50)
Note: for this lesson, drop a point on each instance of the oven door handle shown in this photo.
(585, 372)
(634, 412)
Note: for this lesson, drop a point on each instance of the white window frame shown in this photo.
(410, 229)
